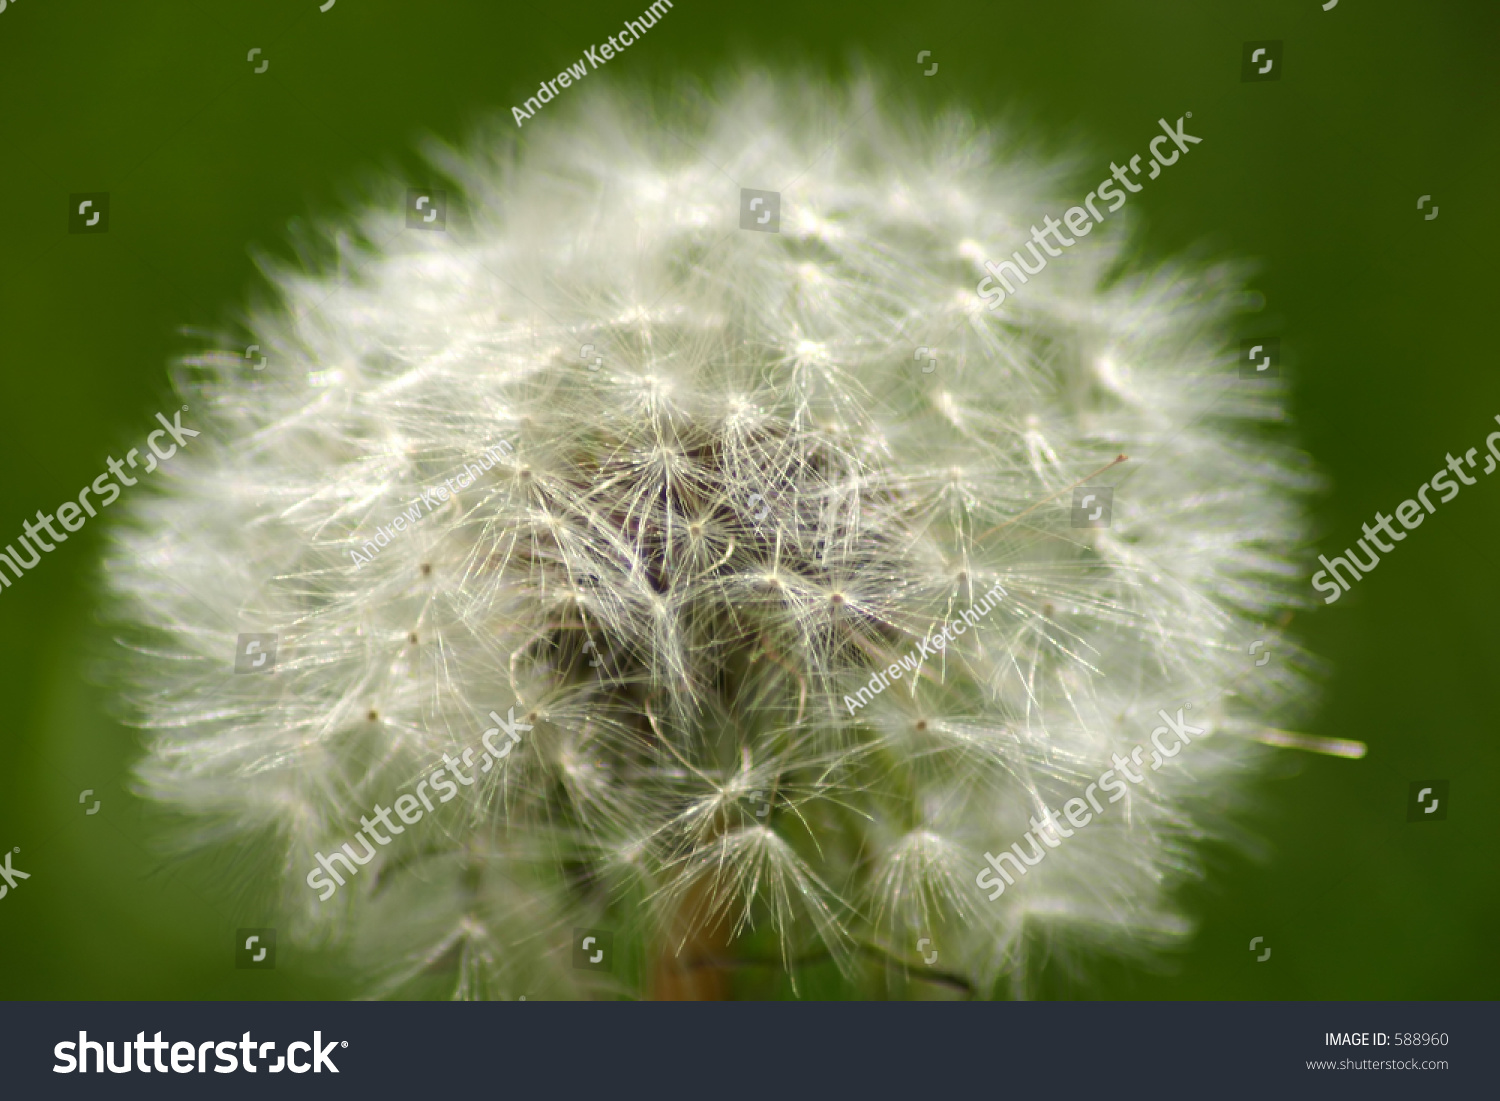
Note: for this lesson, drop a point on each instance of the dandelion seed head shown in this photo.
(688, 559)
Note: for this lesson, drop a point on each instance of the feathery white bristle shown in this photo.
(754, 501)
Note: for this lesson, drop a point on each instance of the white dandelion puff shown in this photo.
(698, 491)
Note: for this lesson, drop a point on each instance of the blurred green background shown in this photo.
(1315, 175)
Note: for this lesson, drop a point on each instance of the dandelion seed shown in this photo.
(760, 503)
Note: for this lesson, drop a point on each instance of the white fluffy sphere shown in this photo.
(699, 485)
